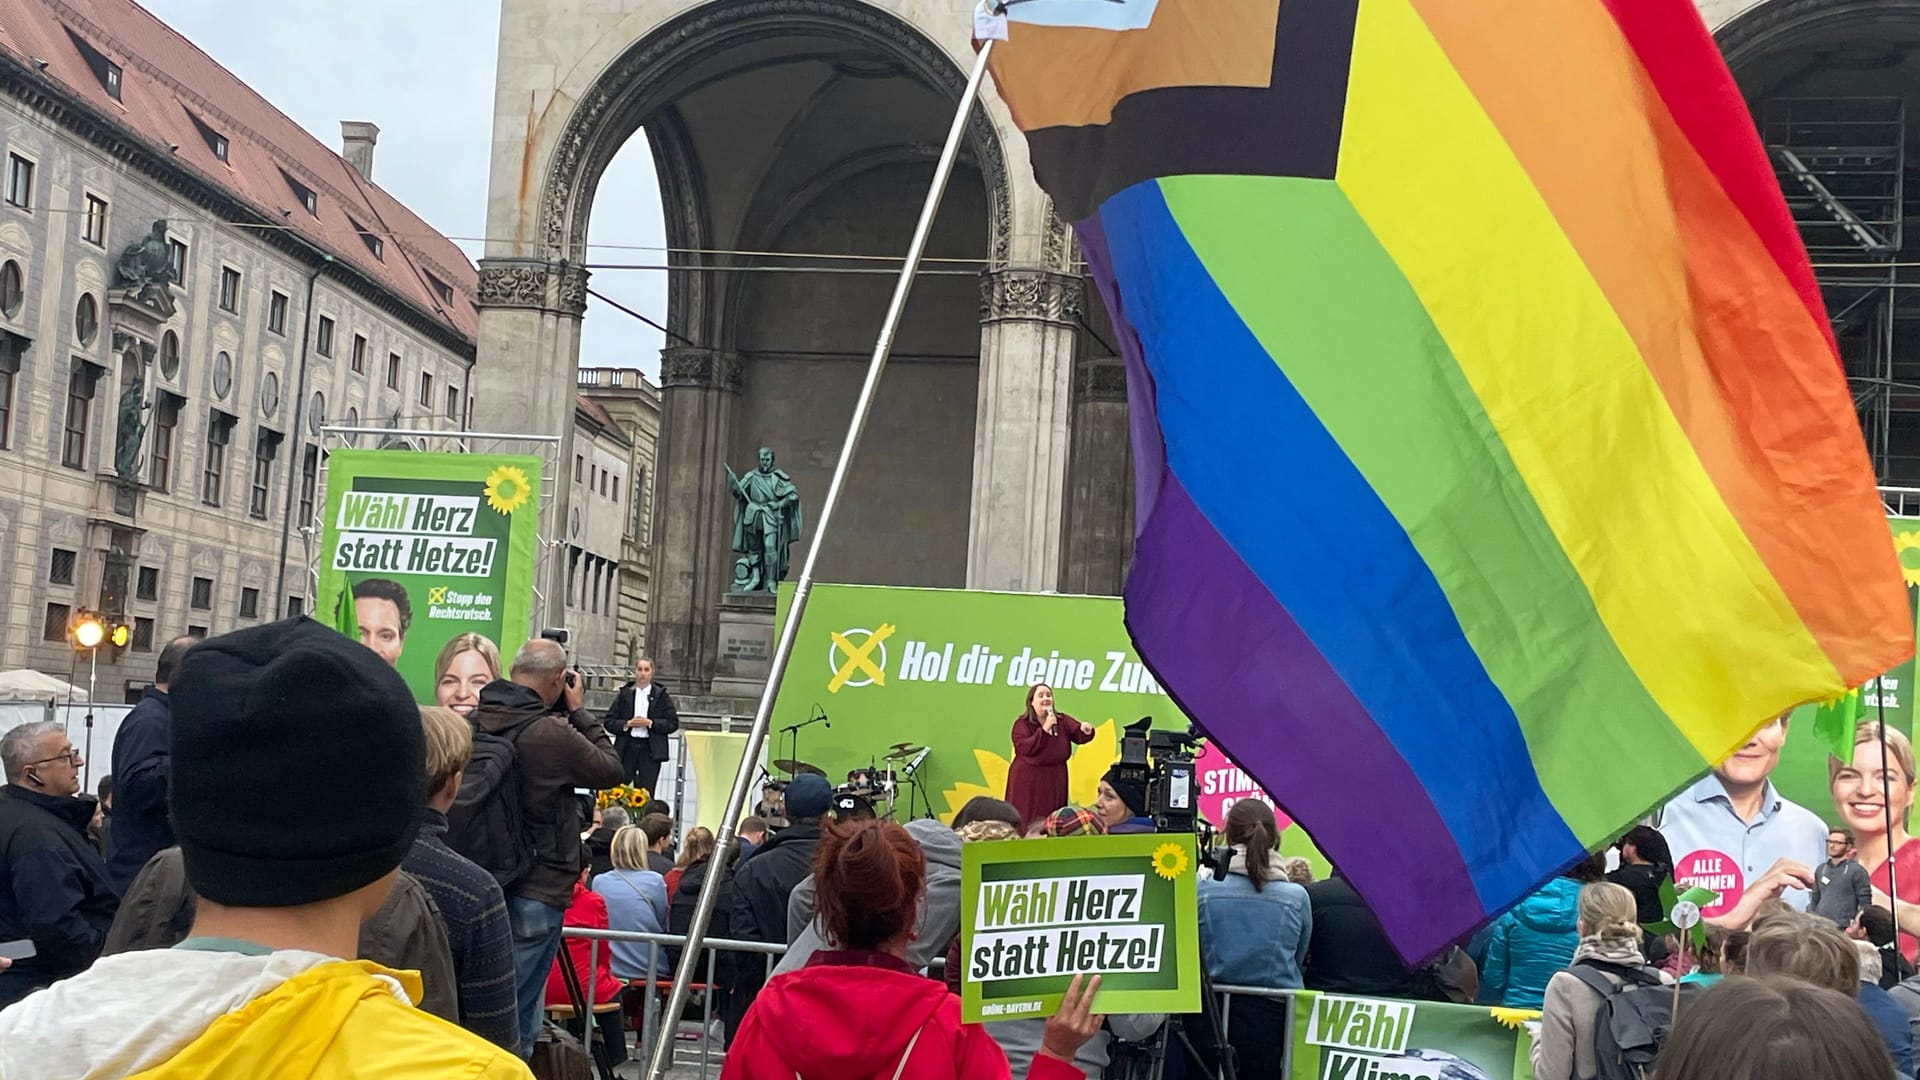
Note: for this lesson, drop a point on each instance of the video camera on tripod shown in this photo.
(1165, 760)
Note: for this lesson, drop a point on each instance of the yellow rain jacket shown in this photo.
(338, 1020)
(171, 1014)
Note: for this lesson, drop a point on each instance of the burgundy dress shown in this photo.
(1037, 780)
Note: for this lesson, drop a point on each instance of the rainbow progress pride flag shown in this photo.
(1495, 470)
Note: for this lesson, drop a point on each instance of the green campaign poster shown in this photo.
(1035, 913)
(949, 669)
(431, 546)
(1353, 1038)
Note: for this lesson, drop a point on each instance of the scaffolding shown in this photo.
(1841, 164)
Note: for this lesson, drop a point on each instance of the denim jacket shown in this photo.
(1250, 938)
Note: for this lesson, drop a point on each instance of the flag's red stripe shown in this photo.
(1684, 64)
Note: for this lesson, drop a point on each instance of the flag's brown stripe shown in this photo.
(1289, 128)
(1071, 76)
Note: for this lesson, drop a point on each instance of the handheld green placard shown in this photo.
(1035, 913)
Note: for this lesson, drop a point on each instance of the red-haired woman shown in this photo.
(1043, 740)
(868, 880)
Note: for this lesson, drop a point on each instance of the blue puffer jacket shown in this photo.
(1529, 944)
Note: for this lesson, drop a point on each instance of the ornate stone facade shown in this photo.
(1046, 295)
(534, 283)
(702, 369)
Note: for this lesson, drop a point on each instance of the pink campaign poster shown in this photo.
(1712, 870)
(1221, 784)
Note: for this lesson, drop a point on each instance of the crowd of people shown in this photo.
(293, 863)
(305, 873)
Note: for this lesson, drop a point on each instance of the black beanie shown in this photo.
(299, 766)
(1131, 785)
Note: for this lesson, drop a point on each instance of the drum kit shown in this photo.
(874, 789)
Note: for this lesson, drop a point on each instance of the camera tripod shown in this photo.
(1148, 1060)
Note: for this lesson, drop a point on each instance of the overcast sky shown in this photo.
(423, 71)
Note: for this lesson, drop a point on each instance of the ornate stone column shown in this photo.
(1028, 331)
(1099, 520)
(692, 540)
(525, 379)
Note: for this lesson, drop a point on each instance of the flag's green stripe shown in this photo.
(1316, 288)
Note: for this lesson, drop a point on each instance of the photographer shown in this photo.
(558, 746)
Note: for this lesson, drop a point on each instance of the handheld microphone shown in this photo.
(820, 714)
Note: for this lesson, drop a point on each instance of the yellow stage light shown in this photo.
(122, 634)
(89, 632)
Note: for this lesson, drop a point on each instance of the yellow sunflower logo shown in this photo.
(1907, 546)
(507, 489)
(1513, 1018)
(1169, 860)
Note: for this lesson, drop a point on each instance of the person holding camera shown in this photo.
(558, 746)
(1043, 740)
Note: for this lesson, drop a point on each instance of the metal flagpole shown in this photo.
(1886, 799)
(757, 735)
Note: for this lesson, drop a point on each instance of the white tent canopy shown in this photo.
(28, 684)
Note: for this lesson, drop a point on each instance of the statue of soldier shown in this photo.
(766, 521)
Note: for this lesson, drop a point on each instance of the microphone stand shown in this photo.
(819, 717)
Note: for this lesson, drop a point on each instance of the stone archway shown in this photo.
(575, 86)
(1746, 30)
(625, 94)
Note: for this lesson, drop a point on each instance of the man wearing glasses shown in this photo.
(1840, 886)
(54, 887)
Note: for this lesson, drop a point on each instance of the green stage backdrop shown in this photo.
(1036, 913)
(458, 532)
(949, 669)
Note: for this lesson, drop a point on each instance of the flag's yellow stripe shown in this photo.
(1676, 581)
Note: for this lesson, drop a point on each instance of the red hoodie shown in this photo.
(850, 1016)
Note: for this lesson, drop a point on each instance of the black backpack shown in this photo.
(485, 824)
(1634, 1018)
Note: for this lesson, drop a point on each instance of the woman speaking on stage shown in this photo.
(1042, 742)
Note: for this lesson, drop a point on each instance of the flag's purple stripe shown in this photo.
(1143, 422)
(1230, 652)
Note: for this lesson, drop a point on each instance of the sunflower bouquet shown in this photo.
(629, 797)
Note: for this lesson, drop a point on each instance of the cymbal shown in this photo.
(790, 765)
(900, 751)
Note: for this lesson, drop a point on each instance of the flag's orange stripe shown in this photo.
(1741, 362)
(1684, 65)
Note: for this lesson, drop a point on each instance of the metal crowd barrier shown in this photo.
(649, 1015)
